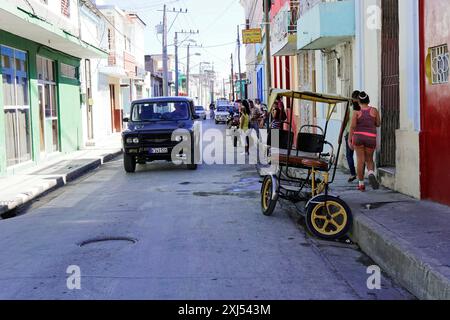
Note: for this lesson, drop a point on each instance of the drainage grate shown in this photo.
(107, 239)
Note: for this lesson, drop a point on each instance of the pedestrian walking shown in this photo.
(258, 104)
(278, 114)
(350, 153)
(244, 125)
(363, 138)
(264, 120)
(255, 115)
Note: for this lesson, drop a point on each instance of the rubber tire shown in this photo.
(192, 167)
(344, 231)
(271, 208)
(129, 163)
(217, 122)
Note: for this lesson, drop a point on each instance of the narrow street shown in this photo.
(175, 234)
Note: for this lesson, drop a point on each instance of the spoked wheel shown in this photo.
(267, 203)
(330, 222)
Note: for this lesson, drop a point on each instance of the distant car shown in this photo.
(221, 102)
(150, 133)
(200, 111)
(222, 113)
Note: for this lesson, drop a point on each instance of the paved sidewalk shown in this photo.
(20, 189)
(410, 239)
(407, 238)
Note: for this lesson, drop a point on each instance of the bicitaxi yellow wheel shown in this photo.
(267, 203)
(331, 221)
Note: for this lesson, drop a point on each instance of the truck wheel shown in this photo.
(190, 166)
(129, 163)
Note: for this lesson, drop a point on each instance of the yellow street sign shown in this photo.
(250, 36)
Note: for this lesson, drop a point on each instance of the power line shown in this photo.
(152, 6)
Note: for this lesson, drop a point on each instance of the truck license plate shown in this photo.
(159, 150)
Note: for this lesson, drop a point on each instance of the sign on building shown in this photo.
(251, 36)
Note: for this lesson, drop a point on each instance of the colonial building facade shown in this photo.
(394, 50)
(40, 93)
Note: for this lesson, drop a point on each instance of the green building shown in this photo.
(40, 93)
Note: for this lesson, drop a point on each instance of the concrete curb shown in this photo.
(413, 270)
(25, 197)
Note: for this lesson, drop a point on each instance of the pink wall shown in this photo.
(276, 6)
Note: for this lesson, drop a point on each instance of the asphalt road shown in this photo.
(196, 235)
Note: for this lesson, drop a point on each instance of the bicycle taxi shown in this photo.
(303, 169)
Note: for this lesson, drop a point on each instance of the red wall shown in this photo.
(435, 106)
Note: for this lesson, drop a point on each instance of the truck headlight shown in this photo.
(179, 138)
(132, 140)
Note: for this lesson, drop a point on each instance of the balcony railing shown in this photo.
(284, 29)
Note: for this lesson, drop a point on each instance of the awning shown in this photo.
(29, 26)
(114, 72)
(306, 95)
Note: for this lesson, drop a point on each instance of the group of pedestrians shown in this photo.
(360, 133)
(253, 116)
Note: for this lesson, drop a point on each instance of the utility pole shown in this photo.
(239, 64)
(177, 92)
(165, 31)
(176, 58)
(187, 70)
(165, 58)
(213, 84)
(223, 88)
(232, 77)
(268, 55)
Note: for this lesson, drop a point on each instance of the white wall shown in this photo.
(94, 31)
(408, 145)
(52, 12)
(368, 49)
(254, 13)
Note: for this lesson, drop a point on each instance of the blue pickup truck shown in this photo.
(156, 129)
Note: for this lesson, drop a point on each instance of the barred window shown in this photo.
(440, 64)
(65, 8)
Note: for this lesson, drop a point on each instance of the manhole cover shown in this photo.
(108, 239)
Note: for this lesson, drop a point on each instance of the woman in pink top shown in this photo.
(363, 138)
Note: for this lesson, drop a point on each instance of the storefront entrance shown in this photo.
(16, 104)
(48, 107)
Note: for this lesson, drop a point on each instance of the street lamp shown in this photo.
(187, 68)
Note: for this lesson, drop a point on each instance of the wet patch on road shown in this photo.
(377, 205)
(248, 188)
(246, 195)
(107, 239)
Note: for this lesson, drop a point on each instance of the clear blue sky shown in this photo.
(216, 20)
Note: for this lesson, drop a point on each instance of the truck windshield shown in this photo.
(155, 111)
